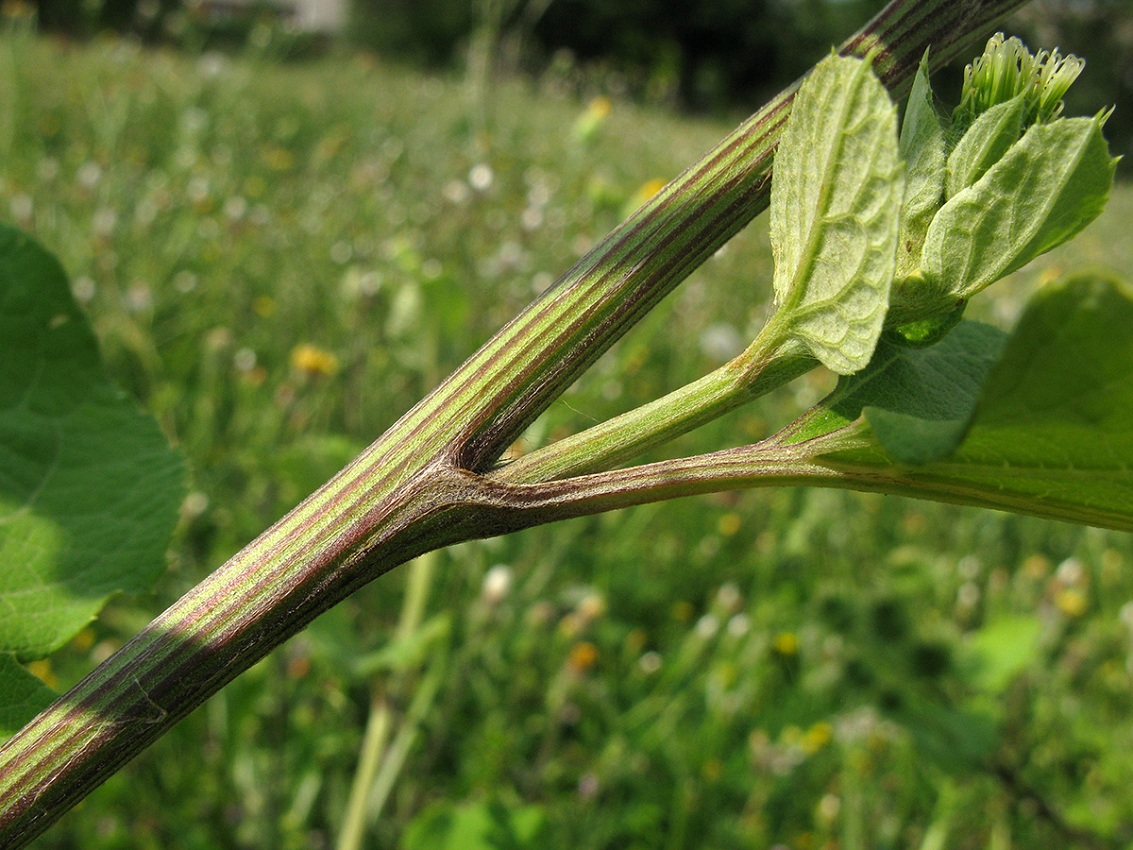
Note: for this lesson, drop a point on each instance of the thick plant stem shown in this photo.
(419, 486)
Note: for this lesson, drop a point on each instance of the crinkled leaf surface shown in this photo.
(1049, 185)
(1051, 429)
(835, 210)
(89, 488)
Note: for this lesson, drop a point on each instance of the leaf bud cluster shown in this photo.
(1007, 179)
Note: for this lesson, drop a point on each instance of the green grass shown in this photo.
(787, 668)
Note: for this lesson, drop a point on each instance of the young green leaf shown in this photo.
(835, 209)
(89, 489)
(985, 143)
(1050, 184)
(922, 149)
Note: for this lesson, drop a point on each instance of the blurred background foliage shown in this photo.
(703, 55)
(279, 258)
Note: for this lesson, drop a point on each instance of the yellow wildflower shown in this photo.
(599, 107)
(277, 158)
(644, 192)
(582, 657)
(42, 670)
(785, 643)
(592, 118)
(313, 361)
(1071, 602)
(816, 737)
(729, 524)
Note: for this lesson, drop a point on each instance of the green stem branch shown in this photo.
(754, 373)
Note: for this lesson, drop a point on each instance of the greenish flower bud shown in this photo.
(1016, 181)
(1007, 70)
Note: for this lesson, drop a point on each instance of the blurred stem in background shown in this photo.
(379, 762)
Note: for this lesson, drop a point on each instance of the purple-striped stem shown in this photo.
(420, 486)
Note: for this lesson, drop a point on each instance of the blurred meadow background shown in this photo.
(280, 258)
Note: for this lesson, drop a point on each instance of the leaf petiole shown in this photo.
(769, 362)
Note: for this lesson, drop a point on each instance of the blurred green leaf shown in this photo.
(89, 488)
(22, 695)
(405, 653)
(1055, 420)
(953, 740)
(835, 213)
(474, 826)
(1000, 650)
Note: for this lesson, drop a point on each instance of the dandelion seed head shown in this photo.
(739, 625)
(481, 177)
(540, 281)
(497, 584)
(707, 627)
(341, 252)
(83, 289)
(968, 596)
(235, 207)
(22, 207)
(89, 175)
(721, 341)
(456, 192)
(1071, 571)
(104, 221)
(244, 359)
(47, 169)
(184, 281)
(139, 297)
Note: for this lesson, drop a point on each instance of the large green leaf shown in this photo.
(1050, 433)
(918, 401)
(835, 213)
(89, 488)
